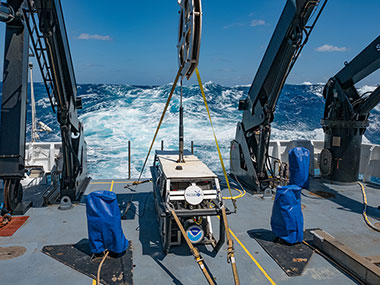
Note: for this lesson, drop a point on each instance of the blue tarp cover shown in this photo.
(299, 161)
(104, 223)
(287, 218)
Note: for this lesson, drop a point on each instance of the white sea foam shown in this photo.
(132, 114)
(116, 114)
(43, 103)
(365, 89)
(316, 134)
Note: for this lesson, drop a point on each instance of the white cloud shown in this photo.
(257, 22)
(252, 23)
(233, 25)
(330, 48)
(85, 36)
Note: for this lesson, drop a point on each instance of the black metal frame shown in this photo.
(36, 39)
(346, 116)
(14, 98)
(13, 106)
(41, 22)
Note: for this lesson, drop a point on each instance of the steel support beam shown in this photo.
(14, 98)
(361, 267)
(6, 13)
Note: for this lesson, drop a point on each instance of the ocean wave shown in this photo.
(114, 114)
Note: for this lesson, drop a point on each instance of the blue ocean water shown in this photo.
(115, 114)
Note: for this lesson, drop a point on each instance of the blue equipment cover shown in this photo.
(104, 223)
(299, 161)
(287, 218)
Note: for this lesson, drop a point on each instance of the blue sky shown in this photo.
(134, 42)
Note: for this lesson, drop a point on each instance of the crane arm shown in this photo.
(277, 62)
(61, 78)
(249, 149)
(346, 116)
(343, 101)
(361, 66)
(39, 25)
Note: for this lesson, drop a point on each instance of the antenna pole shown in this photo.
(180, 158)
(33, 102)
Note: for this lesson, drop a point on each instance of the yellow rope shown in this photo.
(160, 122)
(216, 140)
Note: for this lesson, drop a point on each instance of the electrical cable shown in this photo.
(140, 215)
(241, 194)
(106, 252)
(241, 191)
(269, 166)
(361, 98)
(367, 221)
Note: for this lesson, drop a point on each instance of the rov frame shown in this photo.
(167, 175)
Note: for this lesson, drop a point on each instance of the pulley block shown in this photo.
(325, 162)
(189, 35)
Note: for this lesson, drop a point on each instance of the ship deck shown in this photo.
(339, 214)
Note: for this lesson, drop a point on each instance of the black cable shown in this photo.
(135, 212)
(269, 166)
(361, 98)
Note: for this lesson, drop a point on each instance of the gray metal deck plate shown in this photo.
(291, 258)
(115, 270)
(339, 216)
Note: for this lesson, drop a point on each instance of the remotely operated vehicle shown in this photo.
(193, 191)
(181, 182)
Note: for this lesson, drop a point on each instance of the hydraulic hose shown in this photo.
(100, 267)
